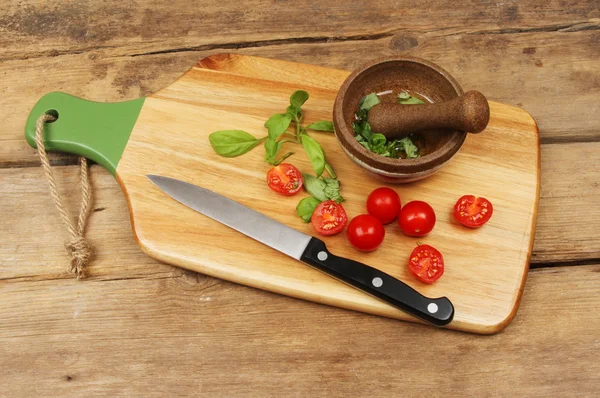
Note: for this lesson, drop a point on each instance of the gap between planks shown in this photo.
(558, 28)
(65, 159)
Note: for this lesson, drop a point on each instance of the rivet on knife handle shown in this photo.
(438, 311)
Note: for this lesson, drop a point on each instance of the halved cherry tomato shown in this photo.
(365, 232)
(329, 218)
(384, 204)
(285, 179)
(417, 218)
(472, 211)
(426, 263)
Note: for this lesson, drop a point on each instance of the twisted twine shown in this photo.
(78, 247)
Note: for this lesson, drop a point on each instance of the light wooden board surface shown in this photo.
(543, 56)
(240, 92)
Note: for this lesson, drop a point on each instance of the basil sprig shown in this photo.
(231, 143)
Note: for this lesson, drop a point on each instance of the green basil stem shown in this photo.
(330, 170)
(298, 130)
(284, 157)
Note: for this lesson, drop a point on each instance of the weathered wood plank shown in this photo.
(149, 337)
(33, 249)
(559, 88)
(30, 28)
(165, 331)
(569, 213)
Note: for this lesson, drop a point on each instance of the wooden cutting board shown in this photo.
(167, 134)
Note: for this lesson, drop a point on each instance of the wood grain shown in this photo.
(570, 184)
(174, 125)
(542, 56)
(558, 87)
(98, 76)
(31, 28)
(40, 256)
(139, 327)
(166, 336)
(555, 77)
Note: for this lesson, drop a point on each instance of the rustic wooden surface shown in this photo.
(138, 327)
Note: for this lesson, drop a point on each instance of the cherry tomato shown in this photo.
(472, 211)
(384, 204)
(417, 218)
(365, 232)
(426, 263)
(329, 218)
(285, 179)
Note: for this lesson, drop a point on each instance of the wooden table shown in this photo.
(137, 327)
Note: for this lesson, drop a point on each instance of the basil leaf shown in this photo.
(306, 208)
(406, 98)
(378, 140)
(315, 186)
(232, 143)
(366, 132)
(363, 142)
(410, 148)
(277, 124)
(378, 144)
(298, 98)
(361, 115)
(332, 190)
(315, 153)
(411, 101)
(321, 126)
(403, 95)
(363, 129)
(271, 149)
(293, 112)
(392, 150)
(366, 145)
(369, 101)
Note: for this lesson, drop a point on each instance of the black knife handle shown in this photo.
(438, 311)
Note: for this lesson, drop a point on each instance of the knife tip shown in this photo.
(156, 179)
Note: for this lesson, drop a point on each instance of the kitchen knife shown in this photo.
(309, 250)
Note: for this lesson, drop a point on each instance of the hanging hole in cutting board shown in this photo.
(53, 113)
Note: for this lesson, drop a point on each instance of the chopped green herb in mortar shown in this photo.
(378, 143)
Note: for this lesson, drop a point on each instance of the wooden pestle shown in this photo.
(469, 112)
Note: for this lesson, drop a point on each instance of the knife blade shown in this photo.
(307, 249)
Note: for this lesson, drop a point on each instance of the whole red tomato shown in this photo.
(384, 204)
(365, 232)
(417, 218)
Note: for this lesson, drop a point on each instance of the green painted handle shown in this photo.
(99, 131)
